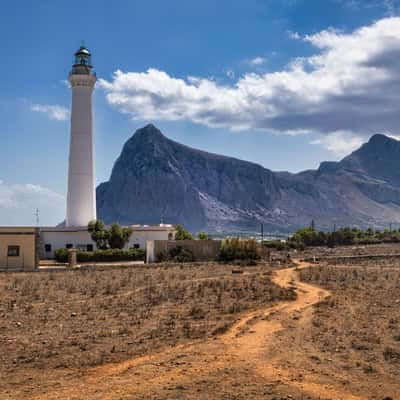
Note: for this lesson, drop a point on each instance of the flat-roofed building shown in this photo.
(52, 239)
(19, 248)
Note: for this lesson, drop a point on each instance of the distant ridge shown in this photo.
(156, 179)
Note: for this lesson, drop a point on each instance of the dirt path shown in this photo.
(243, 360)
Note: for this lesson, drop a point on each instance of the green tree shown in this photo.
(99, 234)
(118, 236)
(182, 233)
(203, 236)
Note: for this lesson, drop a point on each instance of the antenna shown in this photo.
(37, 215)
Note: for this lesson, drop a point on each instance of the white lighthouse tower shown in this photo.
(81, 199)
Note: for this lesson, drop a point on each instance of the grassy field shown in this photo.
(78, 319)
(201, 331)
(355, 333)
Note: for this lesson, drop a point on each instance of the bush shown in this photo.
(180, 254)
(110, 255)
(116, 237)
(276, 245)
(182, 233)
(61, 255)
(176, 254)
(234, 249)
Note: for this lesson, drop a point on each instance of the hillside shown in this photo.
(156, 179)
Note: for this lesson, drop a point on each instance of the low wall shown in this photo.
(203, 250)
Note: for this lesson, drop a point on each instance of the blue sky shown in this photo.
(224, 76)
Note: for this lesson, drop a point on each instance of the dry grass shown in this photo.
(86, 318)
(357, 330)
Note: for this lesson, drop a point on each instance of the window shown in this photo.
(136, 246)
(47, 248)
(13, 251)
(89, 247)
(81, 247)
(69, 246)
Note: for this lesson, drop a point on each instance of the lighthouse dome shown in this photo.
(83, 50)
(83, 57)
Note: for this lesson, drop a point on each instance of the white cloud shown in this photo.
(56, 112)
(18, 203)
(294, 35)
(339, 143)
(256, 61)
(230, 73)
(351, 84)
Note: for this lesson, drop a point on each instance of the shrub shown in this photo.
(176, 254)
(238, 249)
(61, 255)
(182, 233)
(109, 255)
(277, 245)
(180, 254)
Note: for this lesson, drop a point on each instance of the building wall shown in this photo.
(140, 237)
(61, 238)
(26, 241)
(80, 238)
(203, 250)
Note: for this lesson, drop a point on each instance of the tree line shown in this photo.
(309, 236)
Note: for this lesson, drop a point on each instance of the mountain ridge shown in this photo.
(157, 179)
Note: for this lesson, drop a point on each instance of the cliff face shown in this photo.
(156, 179)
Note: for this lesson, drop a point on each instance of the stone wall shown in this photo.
(203, 250)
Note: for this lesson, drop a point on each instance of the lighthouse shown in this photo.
(81, 198)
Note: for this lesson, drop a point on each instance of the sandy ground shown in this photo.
(257, 358)
(243, 363)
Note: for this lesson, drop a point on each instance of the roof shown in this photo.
(83, 50)
(135, 228)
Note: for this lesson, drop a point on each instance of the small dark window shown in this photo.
(69, 246)
(89, 247)
(136, 246)
(47, 248)
(13, 251)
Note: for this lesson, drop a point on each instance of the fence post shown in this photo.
(72, 259)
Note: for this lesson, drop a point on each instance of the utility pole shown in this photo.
(37, 215)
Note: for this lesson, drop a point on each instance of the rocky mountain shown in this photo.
(156, 179)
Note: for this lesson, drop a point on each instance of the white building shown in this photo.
(81, 198)
(57, 238)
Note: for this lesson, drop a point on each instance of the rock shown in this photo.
(156, 179)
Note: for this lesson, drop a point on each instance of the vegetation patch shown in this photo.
(110, 255)
(235, 249)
